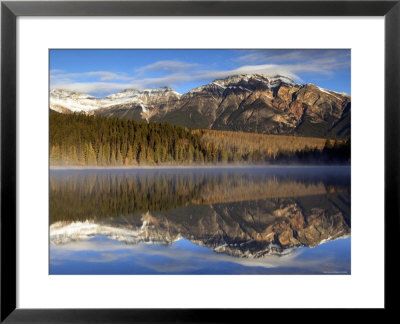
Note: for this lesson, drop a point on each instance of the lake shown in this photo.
(233, 220)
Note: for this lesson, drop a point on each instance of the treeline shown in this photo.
(77, 139)
(333, 152)
(79, 195)
(278, 148)
(269, 146)
(81, 140)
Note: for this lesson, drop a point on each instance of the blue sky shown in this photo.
(102, 72)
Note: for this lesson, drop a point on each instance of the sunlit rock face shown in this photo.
(250, 103)
(244, 215)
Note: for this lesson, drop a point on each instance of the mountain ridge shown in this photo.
(246, 102)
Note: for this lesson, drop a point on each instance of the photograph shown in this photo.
(199, 161)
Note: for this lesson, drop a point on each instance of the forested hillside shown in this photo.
(268, 145)
(77, 139)
(81, 140)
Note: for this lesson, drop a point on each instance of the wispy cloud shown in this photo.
(54, 71)
(101, 75)
(171, 73)
(70, 81)
(268, 69)
(297, 61)
(175, 73)
(95, 88)
(167, 66)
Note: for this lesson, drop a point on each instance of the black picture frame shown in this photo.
(10, 10)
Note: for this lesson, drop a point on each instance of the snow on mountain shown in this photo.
(64, 100)
(277, 80)
(332, 93)
(268, 80)
(159, 90)
(61, 93)
(244, 82)
(62, 233)
(87, 104)
(127, 93)
(269, 104)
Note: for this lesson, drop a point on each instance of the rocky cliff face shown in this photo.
(251, 103)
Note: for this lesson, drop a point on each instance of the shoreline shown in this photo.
(174, 167)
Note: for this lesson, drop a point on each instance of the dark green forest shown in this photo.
(81, 140)
(77, 195)
(76, 139)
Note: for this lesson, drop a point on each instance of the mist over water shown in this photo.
(246, 220)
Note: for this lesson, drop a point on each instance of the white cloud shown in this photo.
(268, 69)
(167, 66)
(174, 73)
(53, 71)
(316, 61)
(101, 75)
(95, 88)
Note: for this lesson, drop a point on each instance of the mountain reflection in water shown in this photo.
(236, 213)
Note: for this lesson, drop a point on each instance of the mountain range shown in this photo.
(247, 229)
(248, 102)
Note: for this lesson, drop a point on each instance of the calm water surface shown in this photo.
(259, 220)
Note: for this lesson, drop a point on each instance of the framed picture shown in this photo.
(197, 159)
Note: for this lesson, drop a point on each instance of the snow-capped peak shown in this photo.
(62, 93)
(127, 93)
(245, 82)
(158, 90)
(131, 93)
(281, 79)
(60, 99)
(269, 80)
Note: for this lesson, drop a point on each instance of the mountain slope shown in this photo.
(249, 103)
